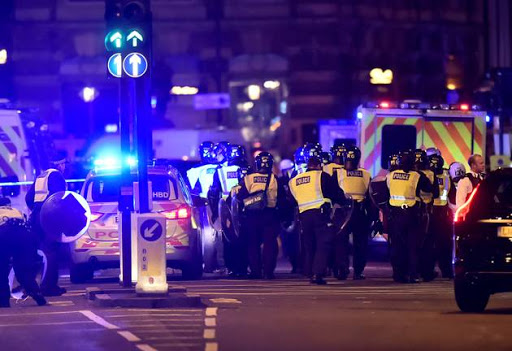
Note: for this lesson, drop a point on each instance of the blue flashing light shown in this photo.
(359, 115)
(153, 102)
(131, 161)
(487, 118)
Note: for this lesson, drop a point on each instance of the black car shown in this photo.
(483, 242)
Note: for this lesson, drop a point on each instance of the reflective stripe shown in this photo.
(311, 203)
(41, 185)
(402, 188)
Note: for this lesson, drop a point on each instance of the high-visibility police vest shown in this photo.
(402, 188)
(331, 168)
(428, 197)
(257, 181)
(443, 181)
(306, 188)
(204, 175)
(41, 188)
(354, 183)
(229, 177)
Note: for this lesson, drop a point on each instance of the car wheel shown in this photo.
(470, 297)
(80, 273)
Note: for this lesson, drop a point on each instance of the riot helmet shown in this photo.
(436, 163)
(338, 153)
(325, 157)
(420, 160)
(406, 160)
(236, 155)
(264, 162)
(393, 162)
(352, 158)
(220, 152)
(433, 151)
(315, 146)
(457, 171)
(286, 166)
(298, 156)
(311, 153)
(205, 151)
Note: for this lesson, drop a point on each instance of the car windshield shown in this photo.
(503, 195)
(106, 188)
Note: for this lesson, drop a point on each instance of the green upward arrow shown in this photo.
(134, 36)
(116, 39)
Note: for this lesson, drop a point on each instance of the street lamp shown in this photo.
(3, 57)
(88, 94)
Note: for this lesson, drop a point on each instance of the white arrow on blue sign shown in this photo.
(151, 230)
(115, 65)
(135, 65)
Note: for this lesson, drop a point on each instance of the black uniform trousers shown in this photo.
(18, 244)
(51, 250)
(358, 226)
(317, 233)
(262, 228)
(404, 232)
(426, 252)
(441, 229)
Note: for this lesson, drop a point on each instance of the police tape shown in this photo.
(31, 182)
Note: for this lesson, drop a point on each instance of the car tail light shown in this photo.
(95, 216)
(384, 104)
(179, 213)
(464, 107)
(460, 214)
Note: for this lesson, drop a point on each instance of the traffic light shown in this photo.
(128, 37)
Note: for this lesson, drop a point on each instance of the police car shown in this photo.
(99, 247)
(483, 242)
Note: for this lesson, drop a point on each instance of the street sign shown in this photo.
(212, 101)
(135, 38)
(65, 216)
(115, 65)
(135, 65)
(151, 230)
(151, 254)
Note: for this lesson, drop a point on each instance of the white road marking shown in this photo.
(145, 347)
(128, 336)
(211, 311)
(98, 320)
(36, 313)
(211, 346)
(190, 316)
(210, 322)
(224, 300)
(209, 334)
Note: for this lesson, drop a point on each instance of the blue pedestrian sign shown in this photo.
(135, 65)
(115, 65)
(151, 230)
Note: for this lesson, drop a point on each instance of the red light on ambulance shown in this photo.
(464, 107)
(384, 104)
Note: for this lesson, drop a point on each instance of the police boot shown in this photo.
(39, 299)
(359, 276)
(318, 280)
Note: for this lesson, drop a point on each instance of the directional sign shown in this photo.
(135, 65)
(151, 230)
(65, 216)
(115, 65)
(114, 40)
(135, 38)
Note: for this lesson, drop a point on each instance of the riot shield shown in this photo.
(342, 214)
(379, 193)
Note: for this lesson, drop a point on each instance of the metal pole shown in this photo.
(125, 198)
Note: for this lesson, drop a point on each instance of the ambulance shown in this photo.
(385, 128)
(24, 148)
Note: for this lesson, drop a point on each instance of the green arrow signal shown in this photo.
(116, 39)
(134, 36)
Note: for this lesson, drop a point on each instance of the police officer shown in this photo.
(354, 181)
(457, 171)
(472, 179)
(404, 187)
(427, 253)
(201, 177)
(338, 159)
(259, 194)
(17, 242)
(46, 184)
(441, 223)
(393, 162)
(313, 192)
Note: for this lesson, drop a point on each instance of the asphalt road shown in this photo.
(284, 314)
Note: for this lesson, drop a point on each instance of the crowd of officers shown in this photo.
(321, 199)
